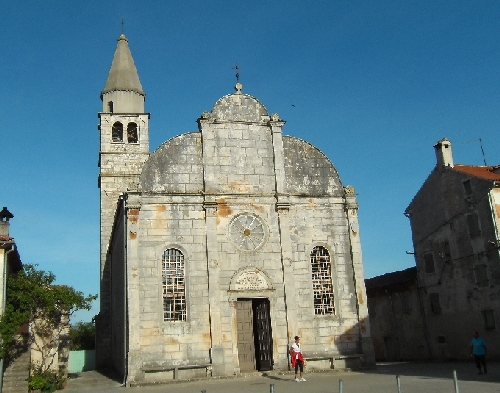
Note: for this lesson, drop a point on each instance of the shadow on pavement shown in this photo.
(277, 377)
(104, 374)
(465, 370)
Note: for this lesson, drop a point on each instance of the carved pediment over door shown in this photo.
(250, 279)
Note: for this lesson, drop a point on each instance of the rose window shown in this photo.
(247, 232)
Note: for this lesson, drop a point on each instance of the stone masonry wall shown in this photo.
(120, 166)
(168, 222)
(466, 276)
(322, 222)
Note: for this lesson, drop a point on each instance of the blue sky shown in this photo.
(373, 84)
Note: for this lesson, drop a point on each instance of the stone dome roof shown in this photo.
(175, 167)
(308, 171)
(239, 107)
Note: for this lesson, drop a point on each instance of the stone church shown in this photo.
(221, 245)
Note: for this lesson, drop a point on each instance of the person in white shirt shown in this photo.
(297, 360)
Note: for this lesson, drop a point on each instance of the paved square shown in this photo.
(414, 377)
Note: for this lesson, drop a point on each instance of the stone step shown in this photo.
(14, 378)
(17, 387)
(17, 371)
(19, 379)
(17, 374)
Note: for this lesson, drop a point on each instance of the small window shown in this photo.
(429, 263)
(110, 106)
(435, 305)
(132, 133)
(467, 187)
(473, 225)
(174, 293)
(117, 132)
(441, 340)
(444, 250)
(488, 319)
(481, 275)
(322, 281)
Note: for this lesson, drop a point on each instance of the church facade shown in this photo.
(222, 245)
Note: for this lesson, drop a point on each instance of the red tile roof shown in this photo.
(484, 172)
(6, 238)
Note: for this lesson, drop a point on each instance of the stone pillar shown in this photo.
(282, 208)
(217, 349)
(288, 275)
(131, 322)
(359, 281)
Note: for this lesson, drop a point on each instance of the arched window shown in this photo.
(117, 132)
(174, 292)
(132, 133)
(322, 281)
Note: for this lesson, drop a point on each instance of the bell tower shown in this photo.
(124, 145)
(124, 132)
(124, 148)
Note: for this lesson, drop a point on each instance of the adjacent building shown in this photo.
(9, 255)
(454, 219)
(223, 244)
(397, 320)
(13, 374)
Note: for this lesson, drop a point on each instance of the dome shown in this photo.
(175, 167)
(239, 107)
(308, 171)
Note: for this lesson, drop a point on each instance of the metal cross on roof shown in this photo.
(237, 73)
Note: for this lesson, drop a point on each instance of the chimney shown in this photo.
(5, 216)
(443, 153)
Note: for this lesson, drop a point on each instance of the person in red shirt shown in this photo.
(297, 360)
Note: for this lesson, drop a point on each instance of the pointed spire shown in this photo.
(123, 75)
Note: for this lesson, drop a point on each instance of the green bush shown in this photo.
(82, 336)
(47, 381)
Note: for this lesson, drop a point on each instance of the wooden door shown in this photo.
(262, 327)
(246, 348)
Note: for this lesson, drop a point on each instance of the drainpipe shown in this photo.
(125, 298)
(4, 302)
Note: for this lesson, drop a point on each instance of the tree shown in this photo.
(33, 298)
(82, 336)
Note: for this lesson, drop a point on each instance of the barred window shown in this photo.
(322, 281)
(174, 293)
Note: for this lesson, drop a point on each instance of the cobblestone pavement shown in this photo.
(413, 377)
